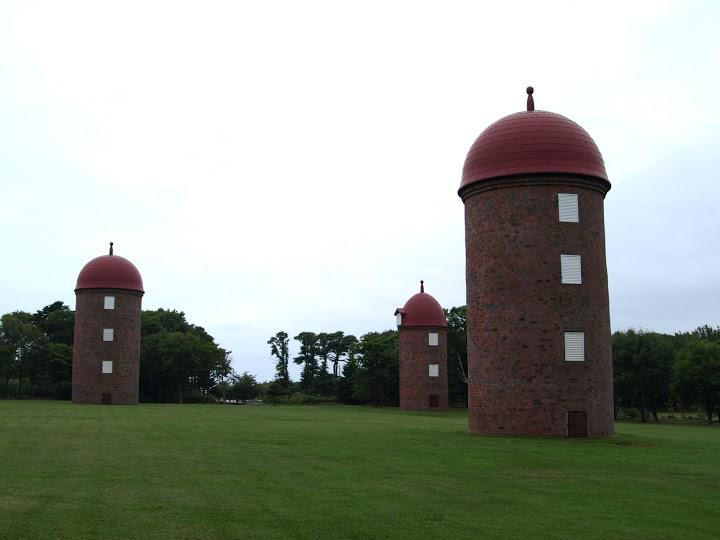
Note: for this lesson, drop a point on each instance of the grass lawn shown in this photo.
(194, 471)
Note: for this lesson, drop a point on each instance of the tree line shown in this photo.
(36, 352)
(656, 372)
(179, 361)
(364, 370)
(653, 372)
(340, 367)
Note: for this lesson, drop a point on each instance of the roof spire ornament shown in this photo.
(422, 286)
(530, 101)
(111, 248)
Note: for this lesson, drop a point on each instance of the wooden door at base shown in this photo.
(577, 424)
(434, 401)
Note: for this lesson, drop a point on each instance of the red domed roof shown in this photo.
(422, 310)
(532, 142)
(110, 272)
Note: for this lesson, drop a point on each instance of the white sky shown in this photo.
(294, 165)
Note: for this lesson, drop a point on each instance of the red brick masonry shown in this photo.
(416, 386)
(88, 382)
(518, 310)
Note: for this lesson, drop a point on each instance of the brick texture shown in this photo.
(416, 386)
(88, 382)
(518, 310)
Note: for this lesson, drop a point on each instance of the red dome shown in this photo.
(422, 310)
(532, 142)
(110, 272)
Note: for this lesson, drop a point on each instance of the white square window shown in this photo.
(108, 334)
(568, 207)
(574, 346)
(398, 317)
(109, 302)
(433, 339)
(107, 366)
(570, 267)
(434, 370)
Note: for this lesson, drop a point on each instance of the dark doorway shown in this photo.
(434, 401)
(577, 424)
(106, 399)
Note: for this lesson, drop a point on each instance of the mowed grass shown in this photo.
(193, 471)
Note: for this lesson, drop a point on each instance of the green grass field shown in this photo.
(194, 471)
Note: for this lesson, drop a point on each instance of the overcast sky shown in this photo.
(294, 165)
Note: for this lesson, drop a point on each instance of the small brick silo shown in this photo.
(423, 353)
(539, 348)
(106, 355)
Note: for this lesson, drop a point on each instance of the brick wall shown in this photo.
(518, 310)
(415, 355)
(88, 381)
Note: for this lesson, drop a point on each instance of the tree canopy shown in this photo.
(279, 348)
(643, 364)
(178, 359)
(696, 375)
(654, 371)
(457, 355)
(181, 362)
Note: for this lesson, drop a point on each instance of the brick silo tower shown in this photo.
(423, 353)
(539, 350)
(106, 356)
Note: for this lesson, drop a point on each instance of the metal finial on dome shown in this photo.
(530, 101)
(111, 248)
(422, 286)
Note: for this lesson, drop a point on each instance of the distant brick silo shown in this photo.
(539, 349)
(106, 356)
(423, 353)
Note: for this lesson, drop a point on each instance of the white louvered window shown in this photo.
(574, 346)
(399, 319)
(568, 207)
(434, 370)
(107, 366)
(571, 270)
(109, 302)
(433, 339)
(108, 334)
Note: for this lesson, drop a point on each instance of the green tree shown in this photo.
(175, 364)
(306, 357)
(324, 384)
(339, 345)
(57, 321)
(178, 358)
(275, 390)
(222, 371)
(377, 378)
(280, 350)
(344, 390)
(7, 364)
(706, 333)
(642, 368)
(696, 375)
(163, 320)
(59, 373)
(165, 365)
(24, 345)
(244, 387)
(457, 355)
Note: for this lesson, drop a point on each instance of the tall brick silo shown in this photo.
(106, 356)
(539, 350)
(423, 353)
